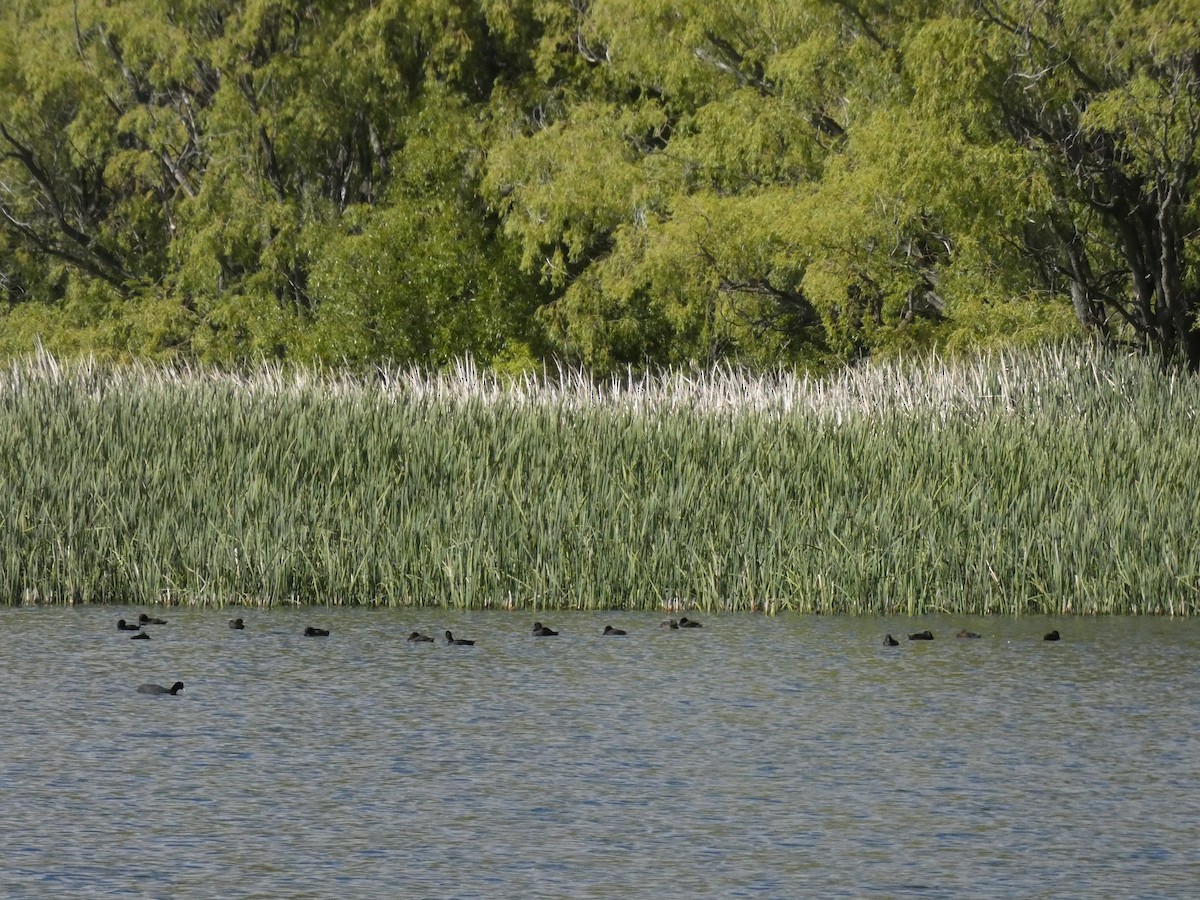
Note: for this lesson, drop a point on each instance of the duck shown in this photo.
(968, 634)
(462, 642)
(159, 689)
(670, 623)
(1052, 636)
(540, 630)
(925, 635)
(148, 620)
(889, 641)
(122, 625)
(140, 636)
(685, 622)
(609, 630)
(417, 638)
(237, 624)
(316, 632)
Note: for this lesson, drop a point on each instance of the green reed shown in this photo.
(1054, 482)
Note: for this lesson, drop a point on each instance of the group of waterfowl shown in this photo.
(136, 627)
(539, 630)
(927, 635)
(142, 621)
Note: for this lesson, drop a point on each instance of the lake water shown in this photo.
(768, 757)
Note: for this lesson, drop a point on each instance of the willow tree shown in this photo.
(647, 185)
(773, 176)
(665, 180)
(84, 210)
(240, 178)
(1106, 97)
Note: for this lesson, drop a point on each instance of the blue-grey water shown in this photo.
(768, 757)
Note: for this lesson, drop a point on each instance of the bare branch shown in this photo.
(97, 259)
(864, 24)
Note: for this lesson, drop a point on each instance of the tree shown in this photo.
(204, 160)
(649, 201)
(417, 278)
(1106, 97)
(896, 174)
(74, 187)
(614, 182)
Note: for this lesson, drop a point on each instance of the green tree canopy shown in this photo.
(606, 181)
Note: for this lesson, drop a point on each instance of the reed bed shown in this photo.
(1062, 481)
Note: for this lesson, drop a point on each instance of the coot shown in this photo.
(159, 689)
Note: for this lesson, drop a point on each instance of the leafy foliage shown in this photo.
(610, 182)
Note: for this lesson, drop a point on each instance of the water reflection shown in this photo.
(776, 757)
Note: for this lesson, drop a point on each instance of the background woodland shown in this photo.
(601, 182)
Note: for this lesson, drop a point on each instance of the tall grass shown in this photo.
(1061, 481)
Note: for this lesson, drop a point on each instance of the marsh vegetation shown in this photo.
(1057, 482)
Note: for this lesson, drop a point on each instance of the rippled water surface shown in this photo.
(773, 757)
